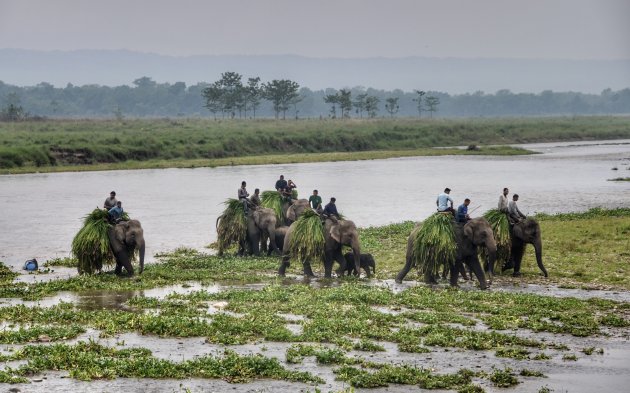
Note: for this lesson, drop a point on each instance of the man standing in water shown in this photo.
(503, 201)
(111, 201)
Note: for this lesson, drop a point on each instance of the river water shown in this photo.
(178, 207)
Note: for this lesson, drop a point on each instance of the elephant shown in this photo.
(525, 232)
(292, 211)
(281, 232)
(367, 262)
(124, 239)
(261, 222)
(476, 232)
(337, 233)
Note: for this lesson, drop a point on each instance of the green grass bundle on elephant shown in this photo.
(501, 229)
(307, 240)
(91, 244)
(231, 225)
(435, 247)
(273, 200)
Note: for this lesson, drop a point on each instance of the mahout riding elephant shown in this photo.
(337, 233)
(476, 232)
(525, 232)
(124, 238)
(367, 262)
(260, 222)
(281, 232)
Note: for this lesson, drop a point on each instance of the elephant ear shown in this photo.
(335, 232)
(291, 213)
(468, 231)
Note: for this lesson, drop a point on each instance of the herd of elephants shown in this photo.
(266, 234)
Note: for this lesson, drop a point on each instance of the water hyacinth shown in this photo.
(273, 200)
(307, 238)
(231, 225)
(434, 246)
(501, 229)
(91, 244)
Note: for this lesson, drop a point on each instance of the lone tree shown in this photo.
(212, 94)
(371, 105)
(432, 103)
(359, 104)
(345, 102)
(419, 101)
(391, 106)
(253, 94)
(232, 92)
(281, 93)
(332, 99)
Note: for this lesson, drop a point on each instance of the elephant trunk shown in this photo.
(538, 249)
(141, 249)
(491, 248)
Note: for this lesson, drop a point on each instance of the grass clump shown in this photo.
(231, 225)
(501, 229)
(531, 373)
(90, 245)
(273, 200)
(6, 275)
(368, 346)
(435, 244)
(307, 239)
(504, 378)
(65, 262)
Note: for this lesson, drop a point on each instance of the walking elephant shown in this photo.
(261, 223)
(124, 239)
(476, 232)
(292, 211)
(525, 232)
(281, 232)
(337, 233)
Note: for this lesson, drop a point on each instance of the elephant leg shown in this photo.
(456, 268)
(118, 269)
(308, 271)
(263, 244)
(342, 264)
(518, 252)
(123, 261)
(429, 278)
(328, 263)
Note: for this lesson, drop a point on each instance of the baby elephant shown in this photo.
(367, 261)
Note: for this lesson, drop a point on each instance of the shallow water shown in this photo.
(179, 207)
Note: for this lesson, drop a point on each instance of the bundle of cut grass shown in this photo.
(294, 194)
(273, 200)
(231, 225)
(91, 244)
(307, 238)
(501, 229)
(435, 246)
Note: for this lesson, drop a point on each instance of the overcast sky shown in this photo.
(567, 29)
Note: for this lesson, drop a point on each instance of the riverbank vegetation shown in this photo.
(65, 145)
(362, 331)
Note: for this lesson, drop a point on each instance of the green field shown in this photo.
(64, 145)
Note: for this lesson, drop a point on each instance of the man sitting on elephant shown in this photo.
(443, 200)
(242, 197)
(116, 212)
(255, 199)
(331, 209)
(514, 213)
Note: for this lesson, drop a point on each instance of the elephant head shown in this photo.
(261, 225)
(124, 238)
(527, 232)
(479, 232)
(341, 233)
(295, 210)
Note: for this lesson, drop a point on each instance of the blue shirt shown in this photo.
(462, 210)
(442, 201)
(116, 212)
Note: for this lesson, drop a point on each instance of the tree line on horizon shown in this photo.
(231, 97)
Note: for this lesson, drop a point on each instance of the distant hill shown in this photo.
(451, 75)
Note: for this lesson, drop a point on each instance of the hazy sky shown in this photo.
(569, 29)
